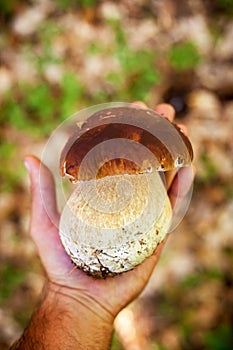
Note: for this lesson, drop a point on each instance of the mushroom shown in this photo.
(119, 210)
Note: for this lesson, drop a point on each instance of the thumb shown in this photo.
(44, 207)
(45, 217)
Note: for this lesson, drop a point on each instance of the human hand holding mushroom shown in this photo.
(78, 311)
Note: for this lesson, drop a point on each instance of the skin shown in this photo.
(77, 311)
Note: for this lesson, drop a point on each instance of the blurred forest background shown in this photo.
(57, 57)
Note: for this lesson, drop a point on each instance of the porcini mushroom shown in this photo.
(119, 210)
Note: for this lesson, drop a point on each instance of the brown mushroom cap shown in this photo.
(124, 140)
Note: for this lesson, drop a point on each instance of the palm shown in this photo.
(114, 293)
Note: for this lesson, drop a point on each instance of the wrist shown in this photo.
(66, 319)
(90, 323)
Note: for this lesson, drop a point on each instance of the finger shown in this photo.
(43, 192)
(165, 110)
(183, 128)
(169, 177)
(45, 218)
(181, 185)
(139, 104)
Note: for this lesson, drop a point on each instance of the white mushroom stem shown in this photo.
(111, 225)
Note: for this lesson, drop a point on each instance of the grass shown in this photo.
(137, 74)
(11, 172)
(115, 343)
(184, 56)
(197, 278)
(210, 171)
(71, 4)
(10, 278)
(37, 109)
(220, 338)
(9, 8)
(225, 6)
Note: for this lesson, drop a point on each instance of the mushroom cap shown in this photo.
(124, 140)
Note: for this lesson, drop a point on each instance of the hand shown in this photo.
(112, 293)
(104, 298)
